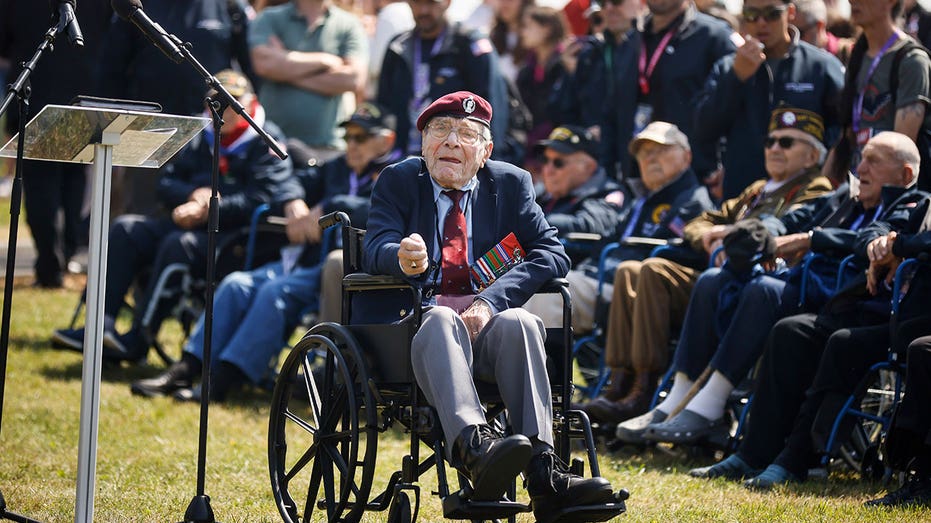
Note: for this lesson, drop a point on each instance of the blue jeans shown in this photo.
(761, 303)
(253, 312)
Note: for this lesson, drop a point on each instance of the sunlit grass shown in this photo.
(146, 460)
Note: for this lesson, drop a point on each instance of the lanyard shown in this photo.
(634, 217)
(647, 71)
(858, 106)
(855, 226)
(422, 70)
(357, 180)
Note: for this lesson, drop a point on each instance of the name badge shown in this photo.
(642, 117)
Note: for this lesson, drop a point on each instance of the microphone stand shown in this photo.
(21, 91)
(199, 509)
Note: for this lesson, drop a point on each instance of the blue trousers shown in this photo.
(252, 314)
(734, 350)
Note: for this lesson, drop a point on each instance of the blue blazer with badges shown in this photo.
(402, 204)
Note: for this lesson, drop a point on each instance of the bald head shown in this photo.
(903, 149)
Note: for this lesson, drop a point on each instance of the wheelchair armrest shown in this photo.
(554, 286)
(361, 281)
(638, 241)
(328, 220)
(583, 237)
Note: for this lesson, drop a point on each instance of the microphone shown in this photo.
(67, 20)
(131, 10)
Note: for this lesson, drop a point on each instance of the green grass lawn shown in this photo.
(146, 458)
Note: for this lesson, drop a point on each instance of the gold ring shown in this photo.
(413, 265)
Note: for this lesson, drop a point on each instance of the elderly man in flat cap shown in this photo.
(431, 218)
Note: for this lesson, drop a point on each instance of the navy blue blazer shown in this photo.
(402, 204)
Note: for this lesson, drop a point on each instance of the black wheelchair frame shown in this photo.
(332, 399)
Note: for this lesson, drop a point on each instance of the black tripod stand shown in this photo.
(199, 509)
(19, 90)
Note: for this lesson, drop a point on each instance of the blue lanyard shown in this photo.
(858, 106)
(422, 70)
(634, 217)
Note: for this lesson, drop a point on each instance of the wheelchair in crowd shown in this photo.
(344, 384)
(179, 289)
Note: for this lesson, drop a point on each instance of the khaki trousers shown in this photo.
(648, 305)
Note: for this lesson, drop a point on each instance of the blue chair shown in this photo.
(874, 408)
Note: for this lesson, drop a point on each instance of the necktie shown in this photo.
(455, 265)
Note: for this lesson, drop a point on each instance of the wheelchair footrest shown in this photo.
(587, 513)
(455, 506)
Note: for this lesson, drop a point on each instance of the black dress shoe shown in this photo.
(489, 461)
(552, 487)
(175, 378)
(915, 492)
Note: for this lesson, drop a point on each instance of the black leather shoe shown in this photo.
(915, 492)
(489, 461)
(552, 487)
(175, 378)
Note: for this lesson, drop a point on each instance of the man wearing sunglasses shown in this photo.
(577, 196)
(772, 67)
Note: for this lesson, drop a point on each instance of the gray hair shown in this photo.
(811, 11)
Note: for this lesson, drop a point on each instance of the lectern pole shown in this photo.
(93, 332)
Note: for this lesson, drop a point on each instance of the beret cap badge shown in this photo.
(468, 105)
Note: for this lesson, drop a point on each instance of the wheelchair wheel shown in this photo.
(860, 451)
(322, 430)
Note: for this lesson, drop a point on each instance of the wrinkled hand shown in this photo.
(883, 263)
(792, 246)
(200, 195)
(189, 215)
(881, 247)
(412, 256)
(748, 58)
(476, 317)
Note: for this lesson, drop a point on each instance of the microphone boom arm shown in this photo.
(227, 98)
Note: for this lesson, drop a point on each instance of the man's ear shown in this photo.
(908, 175)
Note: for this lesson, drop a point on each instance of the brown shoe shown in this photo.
(637, 401)
(620, 383)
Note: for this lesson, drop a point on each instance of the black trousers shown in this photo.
(783, 408)
(908, 443)
(139, 243)
(47, 188)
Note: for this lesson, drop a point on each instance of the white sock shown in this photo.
(680, 387)
(710, 400)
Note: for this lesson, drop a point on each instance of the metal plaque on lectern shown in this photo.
(65, 133)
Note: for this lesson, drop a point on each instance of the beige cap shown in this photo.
(663, 133)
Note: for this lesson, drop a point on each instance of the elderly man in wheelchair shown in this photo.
(428, 216)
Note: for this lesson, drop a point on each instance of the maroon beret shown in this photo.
(461, 104)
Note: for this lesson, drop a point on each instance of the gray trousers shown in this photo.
(509, 352)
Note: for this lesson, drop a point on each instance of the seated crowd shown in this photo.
(741, 152)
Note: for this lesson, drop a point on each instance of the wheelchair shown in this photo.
(180, 290)
(344, 384)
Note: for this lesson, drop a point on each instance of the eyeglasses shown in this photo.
(785, 142)
(557, 162)
(356, 137)
(770, 13)
(440, 130)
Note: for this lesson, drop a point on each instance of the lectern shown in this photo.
(104, 137)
